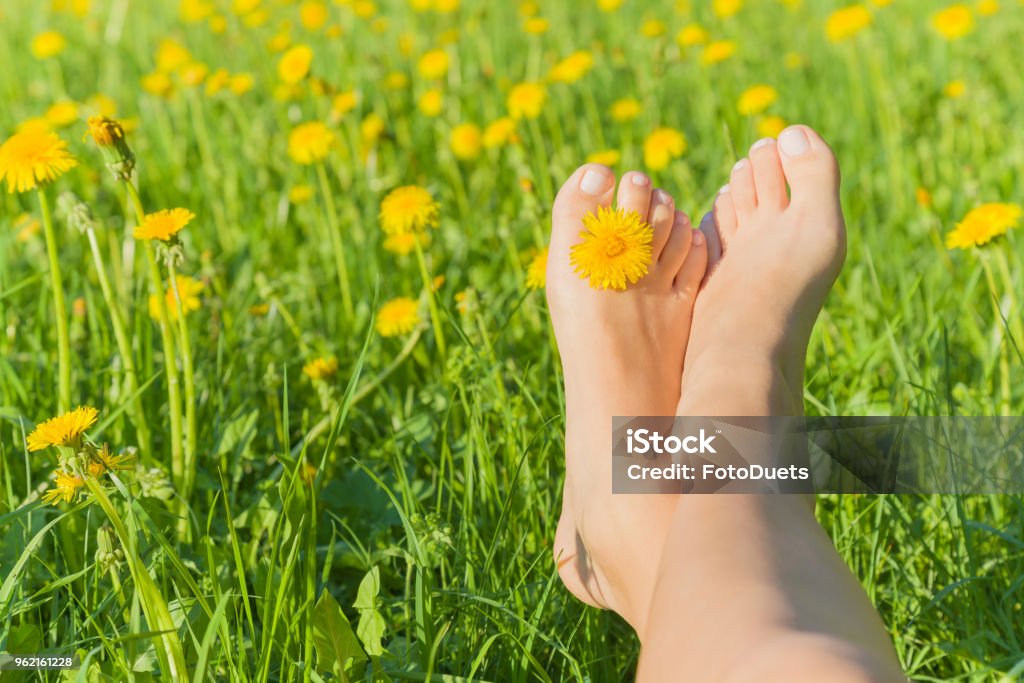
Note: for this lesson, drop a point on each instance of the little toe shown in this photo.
(589, 187)
(660, 218)
(769, 180)
(634, 193)
(678, 245)
(741, 185)
(694, 267)
(809, 165)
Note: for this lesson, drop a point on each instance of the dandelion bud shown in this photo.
(109, 136)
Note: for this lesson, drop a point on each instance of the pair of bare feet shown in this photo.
(718, 326)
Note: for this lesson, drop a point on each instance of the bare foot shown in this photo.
(622, 354)
(773, 258)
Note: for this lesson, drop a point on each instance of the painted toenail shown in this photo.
(594, 182)
(793, 142)
(698, 238)
(725, 188)
(739, 165)
(763, 142)
(640, 179)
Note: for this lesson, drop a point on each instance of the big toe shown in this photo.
(810, 166)
(589, 187)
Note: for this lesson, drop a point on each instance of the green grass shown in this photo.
(423, 544)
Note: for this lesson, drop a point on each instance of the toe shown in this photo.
(678, 245)
(725, 216)
(741, 185)
(712, 243)
(589, 187)
(695, 265)
(660, 218)
(769, 180)
(634, 193)
(810, 167)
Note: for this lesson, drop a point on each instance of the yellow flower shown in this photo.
(430, 103)
(608, 157)
(102, 105)
(371, 128)
(32, 158)
(157, 83)
(398, 316)
(218, 24)
(718, 51)
(466, 141)
(537, 271)
(987, 8)
(403, 243)
(194, 11)
(66, 488)
(756, 99)
(433, 65)
(294, 64)
(217, 81)
(188, 290)
(954, 89)
(692, 34)
(420, 5)
(770, 126)
(445, 6)
(47, 44)
(410, 208)
(499, 132)
(320, 369)
(27, 226)
(536, 26)
(662, 146)
(194, 73)
(528, 8)
(572, 68)
(364, 9)
(310, 142)
(847, 22)
(313, 15)
(652, 28)
(396, 80)
(923, 197)
(240, 7)
(163, 225)
(526, 100)
(63, 430)
(280, 41)
(36, 124)
(171, 56)
(106, 461)
(62, 113)
(609, 5)
(956, 21)
(300, 194)
(726, 8)
(982, 224)
(241, 83)
(616, 248)
(343, 103)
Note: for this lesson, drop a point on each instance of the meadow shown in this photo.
(328, 438)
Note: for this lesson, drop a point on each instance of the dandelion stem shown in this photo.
(337, 244)
(435, 315)
(63, 341)
(189, 382)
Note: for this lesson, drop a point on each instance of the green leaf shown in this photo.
(337, 648)
(372, 625)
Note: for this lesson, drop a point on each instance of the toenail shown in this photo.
(662, 197)
(594, 182)
(793, 142)
(698, 238)
(763, 142)
(739, 165)
(640, 179)
(725, 188)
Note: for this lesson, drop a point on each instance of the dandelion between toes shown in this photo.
(653, 317)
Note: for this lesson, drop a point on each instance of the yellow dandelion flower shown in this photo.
(364, 9)
(954, 89)
(410, 208)
(193, 73)
(726, 8)
(218, 24)
(47, 44)
(528, 8)
(188, 289)
(194, 11)
(770, 126)
(36, 124)
(430, 103)
(32, 158)
(280, 41)
(607, 157)
(847, 22)
(616, 248)
(572, 68)
(320, 369)
(300, 194)
(398, 316)
(396, 80)
(652, 28)
(536, 26)
(923, 197)
(756, 99)
(526, 100)
(62, 114)
(954, 22)
(343, 103)
(294, 64)
(420, 5)
(241, 7)
(65, 488)
(537, 271)
(371, 128)
(625, 109)
(310, 142)
(171, 56)
(110, 462)
(499, 132)
(403, 243)
(718, 51)
(609, 5)
(692, 34)
(445, 6)
(983, 224)
(433, 65)
(217, 82)
(101, 105)
(987, 8)
(662, 146)
(63, 430)
(163, 225)
(241, 83)
(157, 83)
(313, 15)
(466, 141)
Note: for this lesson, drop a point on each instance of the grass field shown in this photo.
(326, 488)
